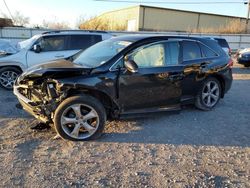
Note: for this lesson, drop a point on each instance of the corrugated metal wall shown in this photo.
(19, 34)
(164, 19)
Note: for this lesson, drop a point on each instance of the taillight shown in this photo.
(230, 63)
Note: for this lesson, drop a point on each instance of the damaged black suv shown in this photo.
(123, 76)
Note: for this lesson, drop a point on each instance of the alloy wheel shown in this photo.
(79, 121)
(7, 79)
(211, 93)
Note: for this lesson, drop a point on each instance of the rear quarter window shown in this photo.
(78, 42)
(207, 52)
(223, 43)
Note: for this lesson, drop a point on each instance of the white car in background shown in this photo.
(49, 46)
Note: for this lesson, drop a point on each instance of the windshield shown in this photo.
(28, 42)
(100, 53)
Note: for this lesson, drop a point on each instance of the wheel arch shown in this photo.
(12, 66)
(109, 104)
(222, 83)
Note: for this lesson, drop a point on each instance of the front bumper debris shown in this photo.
(28, 105)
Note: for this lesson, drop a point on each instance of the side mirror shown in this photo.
(131, 66)
(37, 48)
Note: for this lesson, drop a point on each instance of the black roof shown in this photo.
(141, 38)
(138, 37)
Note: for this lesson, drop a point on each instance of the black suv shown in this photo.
(124, 76)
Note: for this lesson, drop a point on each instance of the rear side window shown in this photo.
(191, 50)
(78, 42)
(207, 52)
(172, 53)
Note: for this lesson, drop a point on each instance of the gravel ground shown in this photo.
(189, 149)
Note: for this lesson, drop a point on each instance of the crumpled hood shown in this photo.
(55, 69)
(8, 47)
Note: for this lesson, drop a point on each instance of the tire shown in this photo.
(8, 76)
(202, 98)
(80, 118)
(246, 66)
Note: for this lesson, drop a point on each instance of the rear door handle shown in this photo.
(178, 76)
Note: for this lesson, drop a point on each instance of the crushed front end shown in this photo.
(39, 97)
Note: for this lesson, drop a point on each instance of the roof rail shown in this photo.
(61, 31)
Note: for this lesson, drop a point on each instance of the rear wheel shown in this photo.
(80, 118)
(8, 75)
(209, 94)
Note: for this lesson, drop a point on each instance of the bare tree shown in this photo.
(18, 18)
(54, 25)
(97, 23)
(80, 20)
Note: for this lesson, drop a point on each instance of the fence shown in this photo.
(235, 41)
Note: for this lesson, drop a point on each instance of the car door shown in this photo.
(52, 48)
(157, 84)
(196, 59)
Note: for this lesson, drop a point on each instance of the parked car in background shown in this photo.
(123, 76)
(43, 48)
(244, 58)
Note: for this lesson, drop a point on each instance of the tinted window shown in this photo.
(52, 43)
(151, 56)
(207, 52)
(222, 42)
(191, 50)
(172, 53)
(83, 41)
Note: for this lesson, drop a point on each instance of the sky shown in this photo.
(70, 11)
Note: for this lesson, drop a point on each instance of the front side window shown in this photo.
(151, 56)
(157, 55)
(191, 50)
(52, 43)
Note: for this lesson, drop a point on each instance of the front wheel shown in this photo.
(209, 94)
(8, 76)
(80, 118)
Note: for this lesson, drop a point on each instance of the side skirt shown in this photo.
(143, 112)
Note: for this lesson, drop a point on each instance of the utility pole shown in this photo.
(248, 12)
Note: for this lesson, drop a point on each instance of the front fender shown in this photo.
(12, 64)
(105, 83)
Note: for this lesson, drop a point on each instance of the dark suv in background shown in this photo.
(123, 76)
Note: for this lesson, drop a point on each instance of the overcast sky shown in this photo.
(70, 10)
